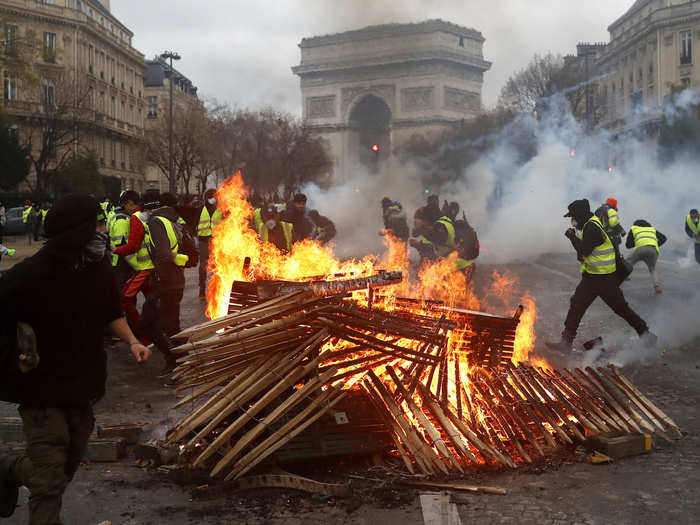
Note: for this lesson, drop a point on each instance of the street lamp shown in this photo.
(172, 181)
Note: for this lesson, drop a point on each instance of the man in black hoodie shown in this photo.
(55, 391)
(596, 252)
(160, 318)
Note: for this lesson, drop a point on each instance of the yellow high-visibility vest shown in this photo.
(602, 260)
(141, 260)
(695, 228)
(443, 250)
(118, 226)
(644, 236)
(207, 222)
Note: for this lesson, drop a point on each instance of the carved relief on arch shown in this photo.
(351, 96)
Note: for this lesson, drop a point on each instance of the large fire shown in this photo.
(234, 240)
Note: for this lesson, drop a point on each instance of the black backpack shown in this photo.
(187, 245)
(466, 239)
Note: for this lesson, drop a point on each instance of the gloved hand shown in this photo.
(11, 252)
(570, 233)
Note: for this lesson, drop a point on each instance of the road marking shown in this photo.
(437, 509)
(557, 272)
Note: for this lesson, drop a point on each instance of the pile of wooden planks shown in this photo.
(266, 373)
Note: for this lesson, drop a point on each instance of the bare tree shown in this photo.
(58, 110)
(538, 80)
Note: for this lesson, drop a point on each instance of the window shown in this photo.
(651, 71)
(685, 82)
(48, 98)
(114, 108)
(461, 41)
(686, 47)
(10, 39)
(11, 85)
(49, 47)
(152, 107)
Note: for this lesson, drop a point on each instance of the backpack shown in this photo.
(466, 239)
(187, 245)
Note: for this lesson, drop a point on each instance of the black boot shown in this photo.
(564, 346)
(9, 490)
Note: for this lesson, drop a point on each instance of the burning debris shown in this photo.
(282, 364)
(448, 384)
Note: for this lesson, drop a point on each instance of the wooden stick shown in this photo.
(660, 430)
(501, 413)
(554, 389)
(553, 405)
(213, 325)
(244, 466)
(433, 432)
(625, 420)
(426, 453)
(622, 401)
(484, 448)
(587, 399)
(647, 402)
(445, 422)
(263, 425)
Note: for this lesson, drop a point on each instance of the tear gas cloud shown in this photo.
(517, 207)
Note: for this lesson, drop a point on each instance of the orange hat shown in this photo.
(612, 202)
(27, 203)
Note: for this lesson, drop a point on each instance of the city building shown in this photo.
(366, 92)
(649, 56)
(84, 59)
(157, 96)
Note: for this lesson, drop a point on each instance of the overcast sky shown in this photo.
(241, 51)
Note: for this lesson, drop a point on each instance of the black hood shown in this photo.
(167, 212)
(642, 223)
(579, 210)
(70, 225)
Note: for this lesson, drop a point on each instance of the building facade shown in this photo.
(649, 56)
(157, 95)
(84, 59)
(366, 92)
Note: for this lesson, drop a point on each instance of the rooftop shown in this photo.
(389, 30)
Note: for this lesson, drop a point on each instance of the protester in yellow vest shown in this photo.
(270, 228)
(646, 240)
(598, 278)
(692, 230)
(209, 217)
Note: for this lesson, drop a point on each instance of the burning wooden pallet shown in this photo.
(272, 370)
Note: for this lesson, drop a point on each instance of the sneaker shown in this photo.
(9, 491)
(657, 288)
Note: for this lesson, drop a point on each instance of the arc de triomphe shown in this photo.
(383, 84)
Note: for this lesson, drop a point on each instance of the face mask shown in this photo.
(95, 249)
(211, 201)
(574, 223)
(271, 224)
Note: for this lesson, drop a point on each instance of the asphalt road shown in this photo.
(661, 487)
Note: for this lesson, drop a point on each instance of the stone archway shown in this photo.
(369, 124)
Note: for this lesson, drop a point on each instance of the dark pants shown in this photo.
(56, 440)
(204, 243)
(605, 287)
(697, 252)
(160, 316)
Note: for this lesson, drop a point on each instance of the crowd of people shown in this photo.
(596, 237)
(437, 233)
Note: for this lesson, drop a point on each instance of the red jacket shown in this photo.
(136, 234)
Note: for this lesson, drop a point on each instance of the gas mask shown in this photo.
(211, 201)
(95, 249)
(271, 223)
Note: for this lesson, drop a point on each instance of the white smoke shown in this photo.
(517, 207)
